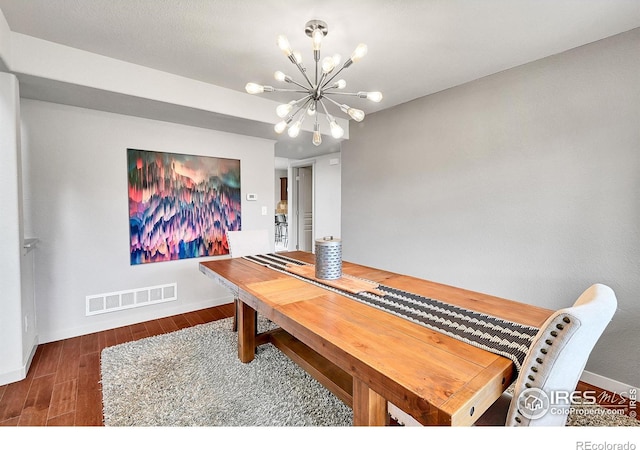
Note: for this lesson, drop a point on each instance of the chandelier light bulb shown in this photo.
(280, 126)
(311, 110)
(359, 53)
(294, 129)
(340, 84)
(336, 130)
(317, 137)
(254, 88)
(355, 114)
(283, 44)
(284, 109)
(374, 96)
(328, 64)
(280, 76)
(316, 38)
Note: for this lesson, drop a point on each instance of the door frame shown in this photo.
(293, 205)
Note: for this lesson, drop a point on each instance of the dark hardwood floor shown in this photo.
(62, 387)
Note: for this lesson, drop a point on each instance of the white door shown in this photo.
(304, 208)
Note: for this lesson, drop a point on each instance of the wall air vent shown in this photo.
(133, 298)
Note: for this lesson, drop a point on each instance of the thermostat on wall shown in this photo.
(252, 197)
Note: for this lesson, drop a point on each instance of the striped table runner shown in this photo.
(503, 337)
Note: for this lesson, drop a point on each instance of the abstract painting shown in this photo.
(181, 206)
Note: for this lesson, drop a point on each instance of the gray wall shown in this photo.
(75, 198)
(523, 185)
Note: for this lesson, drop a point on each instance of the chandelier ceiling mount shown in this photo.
(321, 87)
(313, 25)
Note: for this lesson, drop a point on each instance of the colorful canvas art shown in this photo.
(181, 206)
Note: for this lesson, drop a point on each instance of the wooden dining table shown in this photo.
(367, 356)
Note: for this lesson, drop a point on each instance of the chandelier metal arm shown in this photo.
(306, 91)
(321, 84)
(297, 84)
(344, 66)
(303, 107)
(329, 116)
(301, 99)
(354, 113)
(302, 70)
(336, 130)
(333, 101)
(352, 94)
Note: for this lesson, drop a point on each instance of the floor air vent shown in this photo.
(116, 301)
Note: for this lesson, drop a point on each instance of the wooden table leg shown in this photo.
(246, 332)
(369, 407)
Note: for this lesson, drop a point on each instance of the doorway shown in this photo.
(303, 207)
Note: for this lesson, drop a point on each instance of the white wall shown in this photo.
(5, 43)
(327, 195)
(524, 184)
(76, 203)
(61, 74)
(18, 336)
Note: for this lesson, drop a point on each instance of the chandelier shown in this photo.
(322, 87)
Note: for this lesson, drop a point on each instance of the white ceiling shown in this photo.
(416, 47)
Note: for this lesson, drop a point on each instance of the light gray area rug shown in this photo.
(192, 377)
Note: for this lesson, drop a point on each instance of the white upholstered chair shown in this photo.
(246, 243)
(555, 361)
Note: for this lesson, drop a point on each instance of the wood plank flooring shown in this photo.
(62, 387)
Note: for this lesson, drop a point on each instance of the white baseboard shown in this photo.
(13, 376)
(32, 353)
(123, 318)
(606, 383)
(21, 373)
